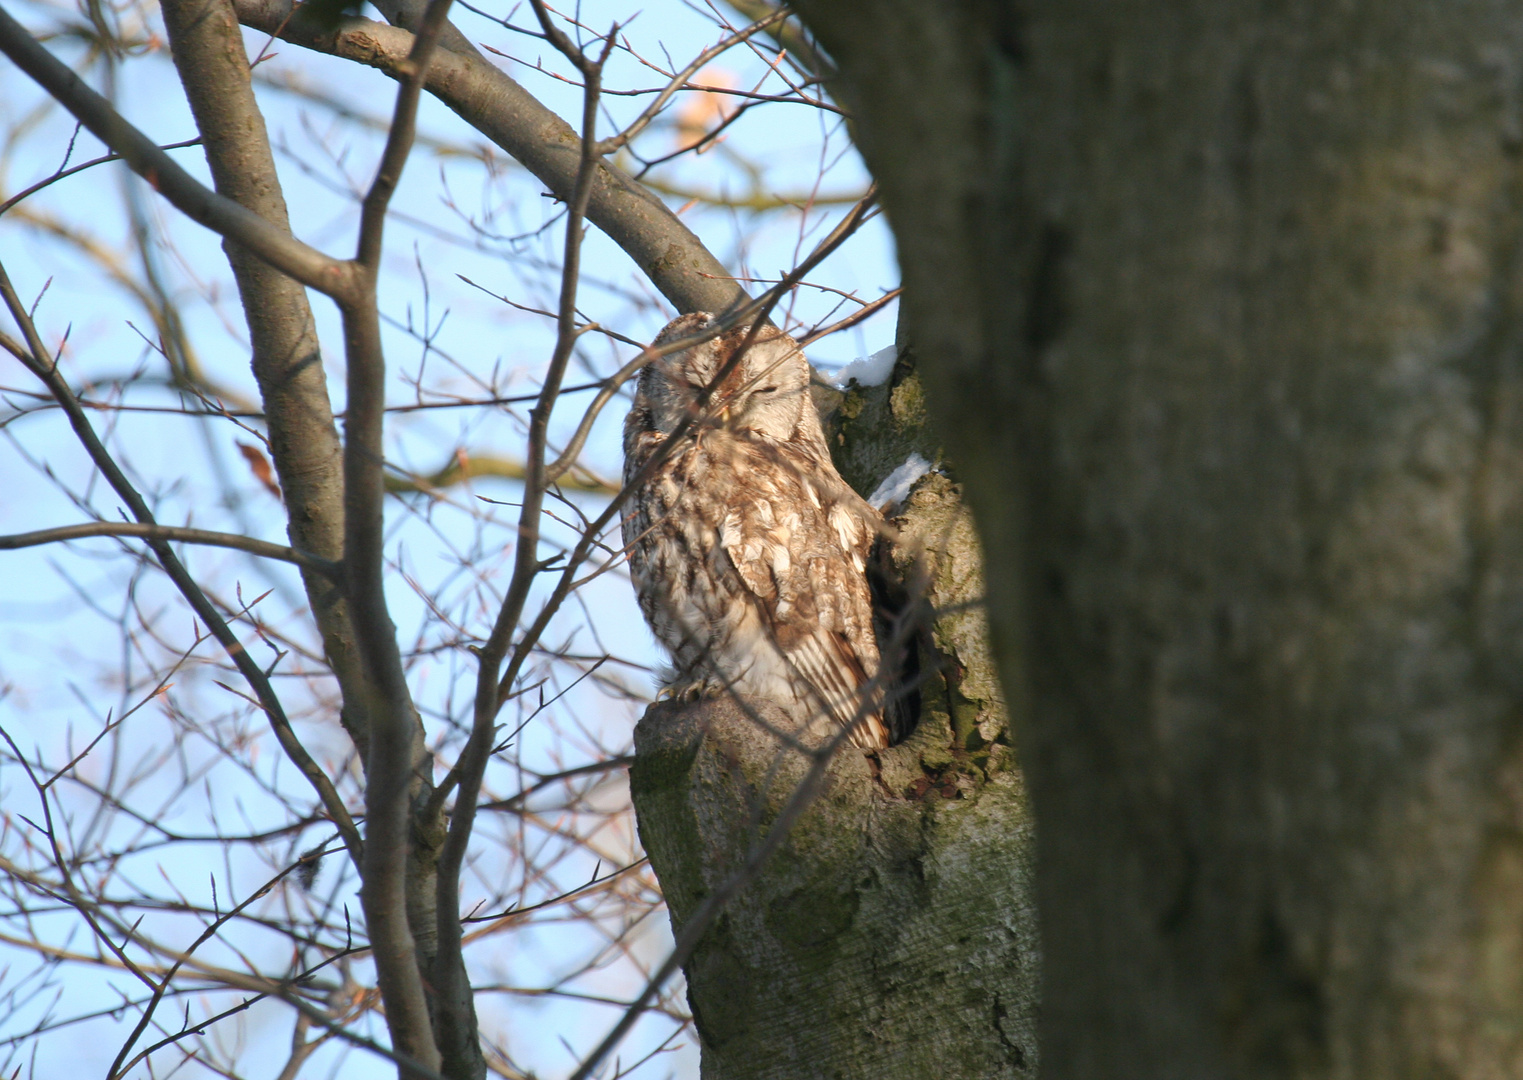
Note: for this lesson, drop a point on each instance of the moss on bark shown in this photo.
(893, 933)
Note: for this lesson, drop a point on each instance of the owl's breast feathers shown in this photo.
(736, 518)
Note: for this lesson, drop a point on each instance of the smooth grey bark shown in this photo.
(143, 156)
(213, 66)
(209, 57)
(1219, 305)
(488, 99)
(893, 933)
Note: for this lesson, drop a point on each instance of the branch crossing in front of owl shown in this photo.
(747, 548)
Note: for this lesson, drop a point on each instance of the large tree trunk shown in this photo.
(1220, 312)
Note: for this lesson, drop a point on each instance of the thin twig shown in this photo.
(756, 310)
(143, 156)
(513, 802)
(46, 369)
(866, 311)
(678, 81)
(395, 730)
(472, 762)
(65, 173)
(151, 531)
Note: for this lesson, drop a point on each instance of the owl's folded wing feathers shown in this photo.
(806, 612)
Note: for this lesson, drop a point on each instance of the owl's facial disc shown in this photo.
(773, 380)
(751, 401)
(763, 392)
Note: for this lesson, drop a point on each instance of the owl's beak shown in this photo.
(724, 415)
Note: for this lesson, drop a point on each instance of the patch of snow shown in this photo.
(896, 486)
(871, 370)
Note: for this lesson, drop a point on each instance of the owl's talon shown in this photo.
(688, 692)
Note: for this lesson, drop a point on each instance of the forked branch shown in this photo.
(37, 360)
(192, 198)
(488, 99)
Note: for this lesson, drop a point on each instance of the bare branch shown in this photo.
(395, 752)
(399, 139)
(143, 156)
(150, 531)
(207, 45)
(864, 312)
(449, 972)
(179, 744)
(514, 802)
(674, 259)
(759, 309)
(679, 81)
(463, 466)
(63, 174)
(790, 36)
(45, 369)
(206, 935)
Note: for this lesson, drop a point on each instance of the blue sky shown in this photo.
(62, 653)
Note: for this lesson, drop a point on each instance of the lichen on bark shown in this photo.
(893, 933)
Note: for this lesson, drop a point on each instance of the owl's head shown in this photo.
(767, 391)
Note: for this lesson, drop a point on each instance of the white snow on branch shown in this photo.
(871, 370)
(896, 486)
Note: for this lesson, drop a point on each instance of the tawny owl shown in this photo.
(747, 548)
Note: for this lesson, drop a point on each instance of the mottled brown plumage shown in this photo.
(746, 547)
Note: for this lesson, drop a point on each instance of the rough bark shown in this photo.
(894, 932)
(1219, 305)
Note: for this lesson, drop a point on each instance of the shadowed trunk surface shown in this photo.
(889, 935)
(1219, 306)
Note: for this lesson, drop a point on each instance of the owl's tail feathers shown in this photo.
(869, 729)
(839, 686)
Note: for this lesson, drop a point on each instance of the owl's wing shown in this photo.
(828, 663)
(810, 592)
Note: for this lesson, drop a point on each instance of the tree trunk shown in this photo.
(1220, 310)
(209, 55)
(893, 932)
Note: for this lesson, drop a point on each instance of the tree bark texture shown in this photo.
(211, 60)
(1219, 305)
(209, 56)
(893, 933)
